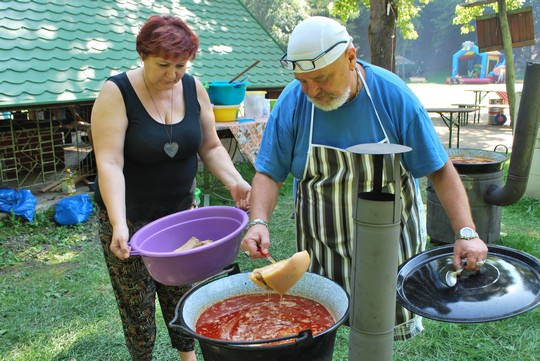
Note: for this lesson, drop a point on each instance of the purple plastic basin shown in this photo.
(156, 242)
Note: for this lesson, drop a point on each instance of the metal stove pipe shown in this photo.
(375, 261)
(522, 144)
(374, 281)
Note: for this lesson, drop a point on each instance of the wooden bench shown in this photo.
(465, 119)
(417, 79)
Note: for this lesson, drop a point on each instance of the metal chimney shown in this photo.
(375, 260)
(523, 143)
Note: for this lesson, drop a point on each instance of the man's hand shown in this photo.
(257, 239)
(474, 250)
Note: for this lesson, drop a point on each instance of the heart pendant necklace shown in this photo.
(170, 148)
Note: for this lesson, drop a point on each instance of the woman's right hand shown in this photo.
(119, 243)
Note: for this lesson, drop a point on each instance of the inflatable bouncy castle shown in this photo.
(469, 66)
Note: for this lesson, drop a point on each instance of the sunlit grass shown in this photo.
(57, 302)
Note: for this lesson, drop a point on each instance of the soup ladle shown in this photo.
(452, 276)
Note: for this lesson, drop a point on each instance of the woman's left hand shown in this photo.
(241, 193)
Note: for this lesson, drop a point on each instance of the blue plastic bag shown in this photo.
(19, 201)
(73, 210)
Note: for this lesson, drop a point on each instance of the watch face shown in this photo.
(467, 233)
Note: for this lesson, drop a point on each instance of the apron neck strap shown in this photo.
(385, 140)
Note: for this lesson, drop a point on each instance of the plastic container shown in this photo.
(157, 241)
(197, 196)
(254, 104)
(68, 183)
(225, 93)
(272, 103)
(226, 113)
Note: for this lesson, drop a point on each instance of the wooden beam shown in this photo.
(478, 3)
(51, 186)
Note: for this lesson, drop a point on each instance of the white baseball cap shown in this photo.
(315, 43)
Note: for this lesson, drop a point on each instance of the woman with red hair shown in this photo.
(149, 127)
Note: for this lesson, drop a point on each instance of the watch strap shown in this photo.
(257, 221)
(460, 235)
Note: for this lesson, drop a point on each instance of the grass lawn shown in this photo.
(57, 302)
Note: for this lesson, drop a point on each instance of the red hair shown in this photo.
(168, 37)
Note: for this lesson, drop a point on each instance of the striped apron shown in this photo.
(325, 209)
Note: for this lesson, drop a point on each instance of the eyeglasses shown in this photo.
(306, 64)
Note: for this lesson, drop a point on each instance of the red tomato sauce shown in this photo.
(262, 316)
(470, 160)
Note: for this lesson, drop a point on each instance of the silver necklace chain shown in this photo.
(358, 87)
(157, 110)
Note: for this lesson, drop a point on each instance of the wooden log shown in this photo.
(51, 186)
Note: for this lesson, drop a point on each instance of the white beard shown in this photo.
(334, 103)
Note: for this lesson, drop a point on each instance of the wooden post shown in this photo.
(509, 55)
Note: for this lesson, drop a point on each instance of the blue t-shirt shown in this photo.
(286, 138)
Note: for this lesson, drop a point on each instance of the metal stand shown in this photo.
(375, 261)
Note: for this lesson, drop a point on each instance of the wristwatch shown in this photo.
(466, 233)
(257, 221)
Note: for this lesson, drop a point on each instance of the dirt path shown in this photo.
(444, 95)
(481, 135)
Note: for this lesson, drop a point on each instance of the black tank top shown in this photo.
(156, 184)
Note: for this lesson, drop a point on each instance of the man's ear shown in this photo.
(350, 53)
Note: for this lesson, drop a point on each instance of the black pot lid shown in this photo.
(506, 286)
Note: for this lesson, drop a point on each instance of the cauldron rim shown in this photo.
(484, 167)
(304, 344)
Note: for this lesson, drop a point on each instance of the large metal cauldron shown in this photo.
(477, 177)
(477, 161)
(304, 347)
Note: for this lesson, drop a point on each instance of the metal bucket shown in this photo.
(496, 113)
(487, 217)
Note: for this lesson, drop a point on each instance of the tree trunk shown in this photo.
(382, 33)
(509, 55)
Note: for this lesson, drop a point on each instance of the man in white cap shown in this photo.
(338, 101)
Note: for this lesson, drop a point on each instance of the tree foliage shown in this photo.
(466, 15)
(405, 11)
(386, 17)
(420, 30)
(279, 17)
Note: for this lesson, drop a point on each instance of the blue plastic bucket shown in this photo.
(225, 93)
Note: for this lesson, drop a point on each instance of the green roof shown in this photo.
(61, 51)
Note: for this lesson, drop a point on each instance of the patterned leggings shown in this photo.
(135, 292)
